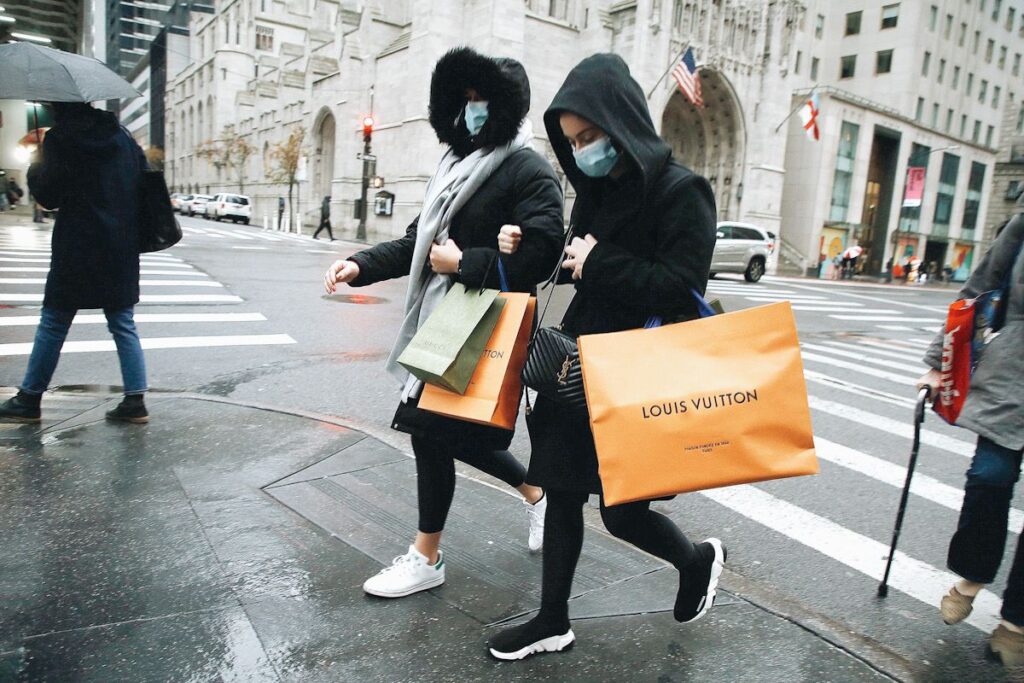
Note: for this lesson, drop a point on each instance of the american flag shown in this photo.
(685, 74)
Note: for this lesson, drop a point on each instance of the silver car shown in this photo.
(742, 248)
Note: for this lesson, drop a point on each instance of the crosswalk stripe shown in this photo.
(269, 238)
(226, 233)
(860, 368)
(752, 291)
(145, 298)
(24, 349)
(863, 357)
(884, 319)
(12, 259)
(832, 309)
(170, 272)
(857, 389)
(877, 349)
(143, 283)
(23, 269)
(901, 428)
(250, 248)
(913, 577)
(99, 318)
(896, 328)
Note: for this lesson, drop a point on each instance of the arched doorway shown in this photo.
(710, 140)
(323, 154)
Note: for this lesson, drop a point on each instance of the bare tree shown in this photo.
(241, 150)
(230, 151)
(286, 157)
(155, 158)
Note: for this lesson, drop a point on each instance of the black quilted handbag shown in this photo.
(552, 366)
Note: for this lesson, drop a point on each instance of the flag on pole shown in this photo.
(685, 75)
(809, 117)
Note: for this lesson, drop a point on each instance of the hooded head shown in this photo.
(501, 82)
(601, 90)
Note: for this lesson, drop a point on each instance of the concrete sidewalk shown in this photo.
(229, 542)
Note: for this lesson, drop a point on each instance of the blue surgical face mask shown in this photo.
(598, 158)
(475, 116)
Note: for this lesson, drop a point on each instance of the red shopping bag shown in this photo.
(956, 360)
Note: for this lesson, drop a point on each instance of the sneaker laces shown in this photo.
(403, 564)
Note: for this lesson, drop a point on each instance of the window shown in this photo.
(920, 109)
(988, 135)
(1016, 64)
(926, 63)
(263, 5)
(983, 91)
(264, 38)
(942, 69)
(933, 16)
(996, 91)
(976, 136)
(814, 68)
(996, 6)
(843, 181)
(883, 62)
(890, 14)
(819, 26)
(1020, 119)
(973, 202)
(1002, 57)
(949, 27)
(935, 115)
(945, 193)
(949, 120)
(963, 125)
(975, 42)
(796, 65)
(956, 77)
(853, 23)
(963, 34)
(970, 83)
(223, 74)
(990, 48)
(848, 66)
(1011, 14)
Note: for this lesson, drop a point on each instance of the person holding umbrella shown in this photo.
(91, 169)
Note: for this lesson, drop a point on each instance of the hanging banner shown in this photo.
(915, 186)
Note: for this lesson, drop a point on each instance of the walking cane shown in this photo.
(922, 399)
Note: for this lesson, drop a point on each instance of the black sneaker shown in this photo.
(533, 637)
(131, 409)
(20, 408)
(699, 581)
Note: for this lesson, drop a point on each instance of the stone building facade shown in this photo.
(266, 66)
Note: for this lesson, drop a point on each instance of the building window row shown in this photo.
(890, 17)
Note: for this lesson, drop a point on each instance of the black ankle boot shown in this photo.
(21, 407)
(131, 409)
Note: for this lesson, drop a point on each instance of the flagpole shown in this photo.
(671, 65)
(798, 108)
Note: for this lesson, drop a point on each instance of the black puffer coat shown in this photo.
(655, 231)
(523, 191)
(91, 171)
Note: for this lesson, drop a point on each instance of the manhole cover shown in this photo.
(359, 299)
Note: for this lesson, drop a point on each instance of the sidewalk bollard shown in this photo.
(285, 227)
(266, 222)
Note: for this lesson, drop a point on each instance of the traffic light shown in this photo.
(367, 128)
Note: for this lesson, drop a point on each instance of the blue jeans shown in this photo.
(53, 330)
(980, 539)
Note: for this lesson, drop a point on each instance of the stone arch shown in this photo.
(324, 130)
(710, 140)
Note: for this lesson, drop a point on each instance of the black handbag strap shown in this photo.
(550, 283)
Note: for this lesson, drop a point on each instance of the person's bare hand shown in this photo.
(578, 251)
(444, 258)
(340, 272)
(930, 379)
(509, 238)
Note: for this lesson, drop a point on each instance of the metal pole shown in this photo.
(798, 108)
(361, 230)
(671, 65)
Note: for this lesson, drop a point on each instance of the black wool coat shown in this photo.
(655, 230)
(91, 171)
(523, 191)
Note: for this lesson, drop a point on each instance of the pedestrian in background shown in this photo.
(643, 232)
(994, 410)
(280, 211)
(325, 218)
(5, 203)
(489, 180)
(91, 169)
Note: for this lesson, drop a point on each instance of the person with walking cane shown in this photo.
(325, 219)
(489, 178)
(994, 410)
(642, 236)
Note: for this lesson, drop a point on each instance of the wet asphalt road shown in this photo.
(808, 548)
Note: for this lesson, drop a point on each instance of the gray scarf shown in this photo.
(452, 185)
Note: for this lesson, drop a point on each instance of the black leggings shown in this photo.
(435, 475)
(634, 523)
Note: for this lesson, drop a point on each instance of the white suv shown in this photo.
(742, 248)
(234, 207)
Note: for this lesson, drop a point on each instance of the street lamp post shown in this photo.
(369, 167)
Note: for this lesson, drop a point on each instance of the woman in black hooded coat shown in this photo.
(643, 230)
(478, 107)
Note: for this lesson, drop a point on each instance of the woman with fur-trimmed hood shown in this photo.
(490, 185)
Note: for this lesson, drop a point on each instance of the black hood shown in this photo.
(500, 81)
(88, 130)
(601, 90)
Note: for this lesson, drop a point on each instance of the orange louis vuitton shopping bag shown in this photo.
(698, 405)
(493, 395)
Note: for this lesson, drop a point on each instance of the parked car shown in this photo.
(197, 205)
(742, 248)
(234, 207)
(180, 201)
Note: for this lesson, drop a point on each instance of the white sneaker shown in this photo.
(535, 512)
(408, 574)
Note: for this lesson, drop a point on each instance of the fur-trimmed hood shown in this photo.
(499, 80)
